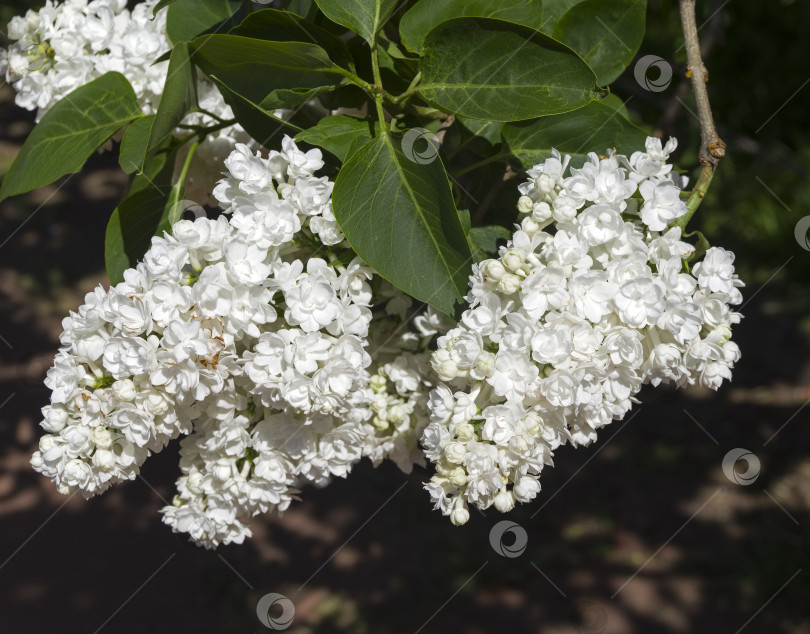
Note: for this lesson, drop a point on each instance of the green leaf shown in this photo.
(283, 26)
(337, 133)
(606, 33)
(492, 69)
(615, 103)
(131, 227)
(554, 10)
(484, 240)
(158, 172)
(70, 132)
(186, 19)
(399, 216)
(160, 5)
(364, 17)
(179, 96)
(133, 145)
(425, 15)
(259, 122)
(290, 98)
(300, 7)
(255, 68)
(593, 128)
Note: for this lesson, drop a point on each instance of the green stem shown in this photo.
(412, 88)
(210, 114)
(698, 193)
(187, 163)
(486, 161)
(378, 92)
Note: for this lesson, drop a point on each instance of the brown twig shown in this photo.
(712, 147)
(714, 32)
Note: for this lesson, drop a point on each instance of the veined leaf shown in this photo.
(425, 15)
(492, 69)
(399, 216)
(255, 68)
(284, 26)
(259, 122)
(186, 19)
(337, 133)
(141, 215)
(594, 128)
(364, 17)
(159, 5)
(70, 132)
(133, 145)
(179, 96)
(606, 33)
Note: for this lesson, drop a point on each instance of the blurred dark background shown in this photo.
(641, 533)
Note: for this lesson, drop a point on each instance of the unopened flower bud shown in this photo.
(492, 270)
(460, 516)
(504, 501)
(455, 452)
(124, 390)
(509, 284)
(524, 204)
(465, 432)
(512, 259)
(526, 489)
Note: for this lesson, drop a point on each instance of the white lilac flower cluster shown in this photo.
(248, 335)
(66, 45)
(564, 328)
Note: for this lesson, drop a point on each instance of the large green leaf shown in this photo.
(425, 15)
(593, 128)
(130, 229)
(179, 96)
(186, 19)
(554, 10)
(259, 122)
(283, 26)
(133, 145)
(70, 132)
(159, 5)
(606, 33)
(483, 241)
(158, 172)
(400, 218)
(255, 68)
(337, 133)
(492, 69)
(364, 17)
